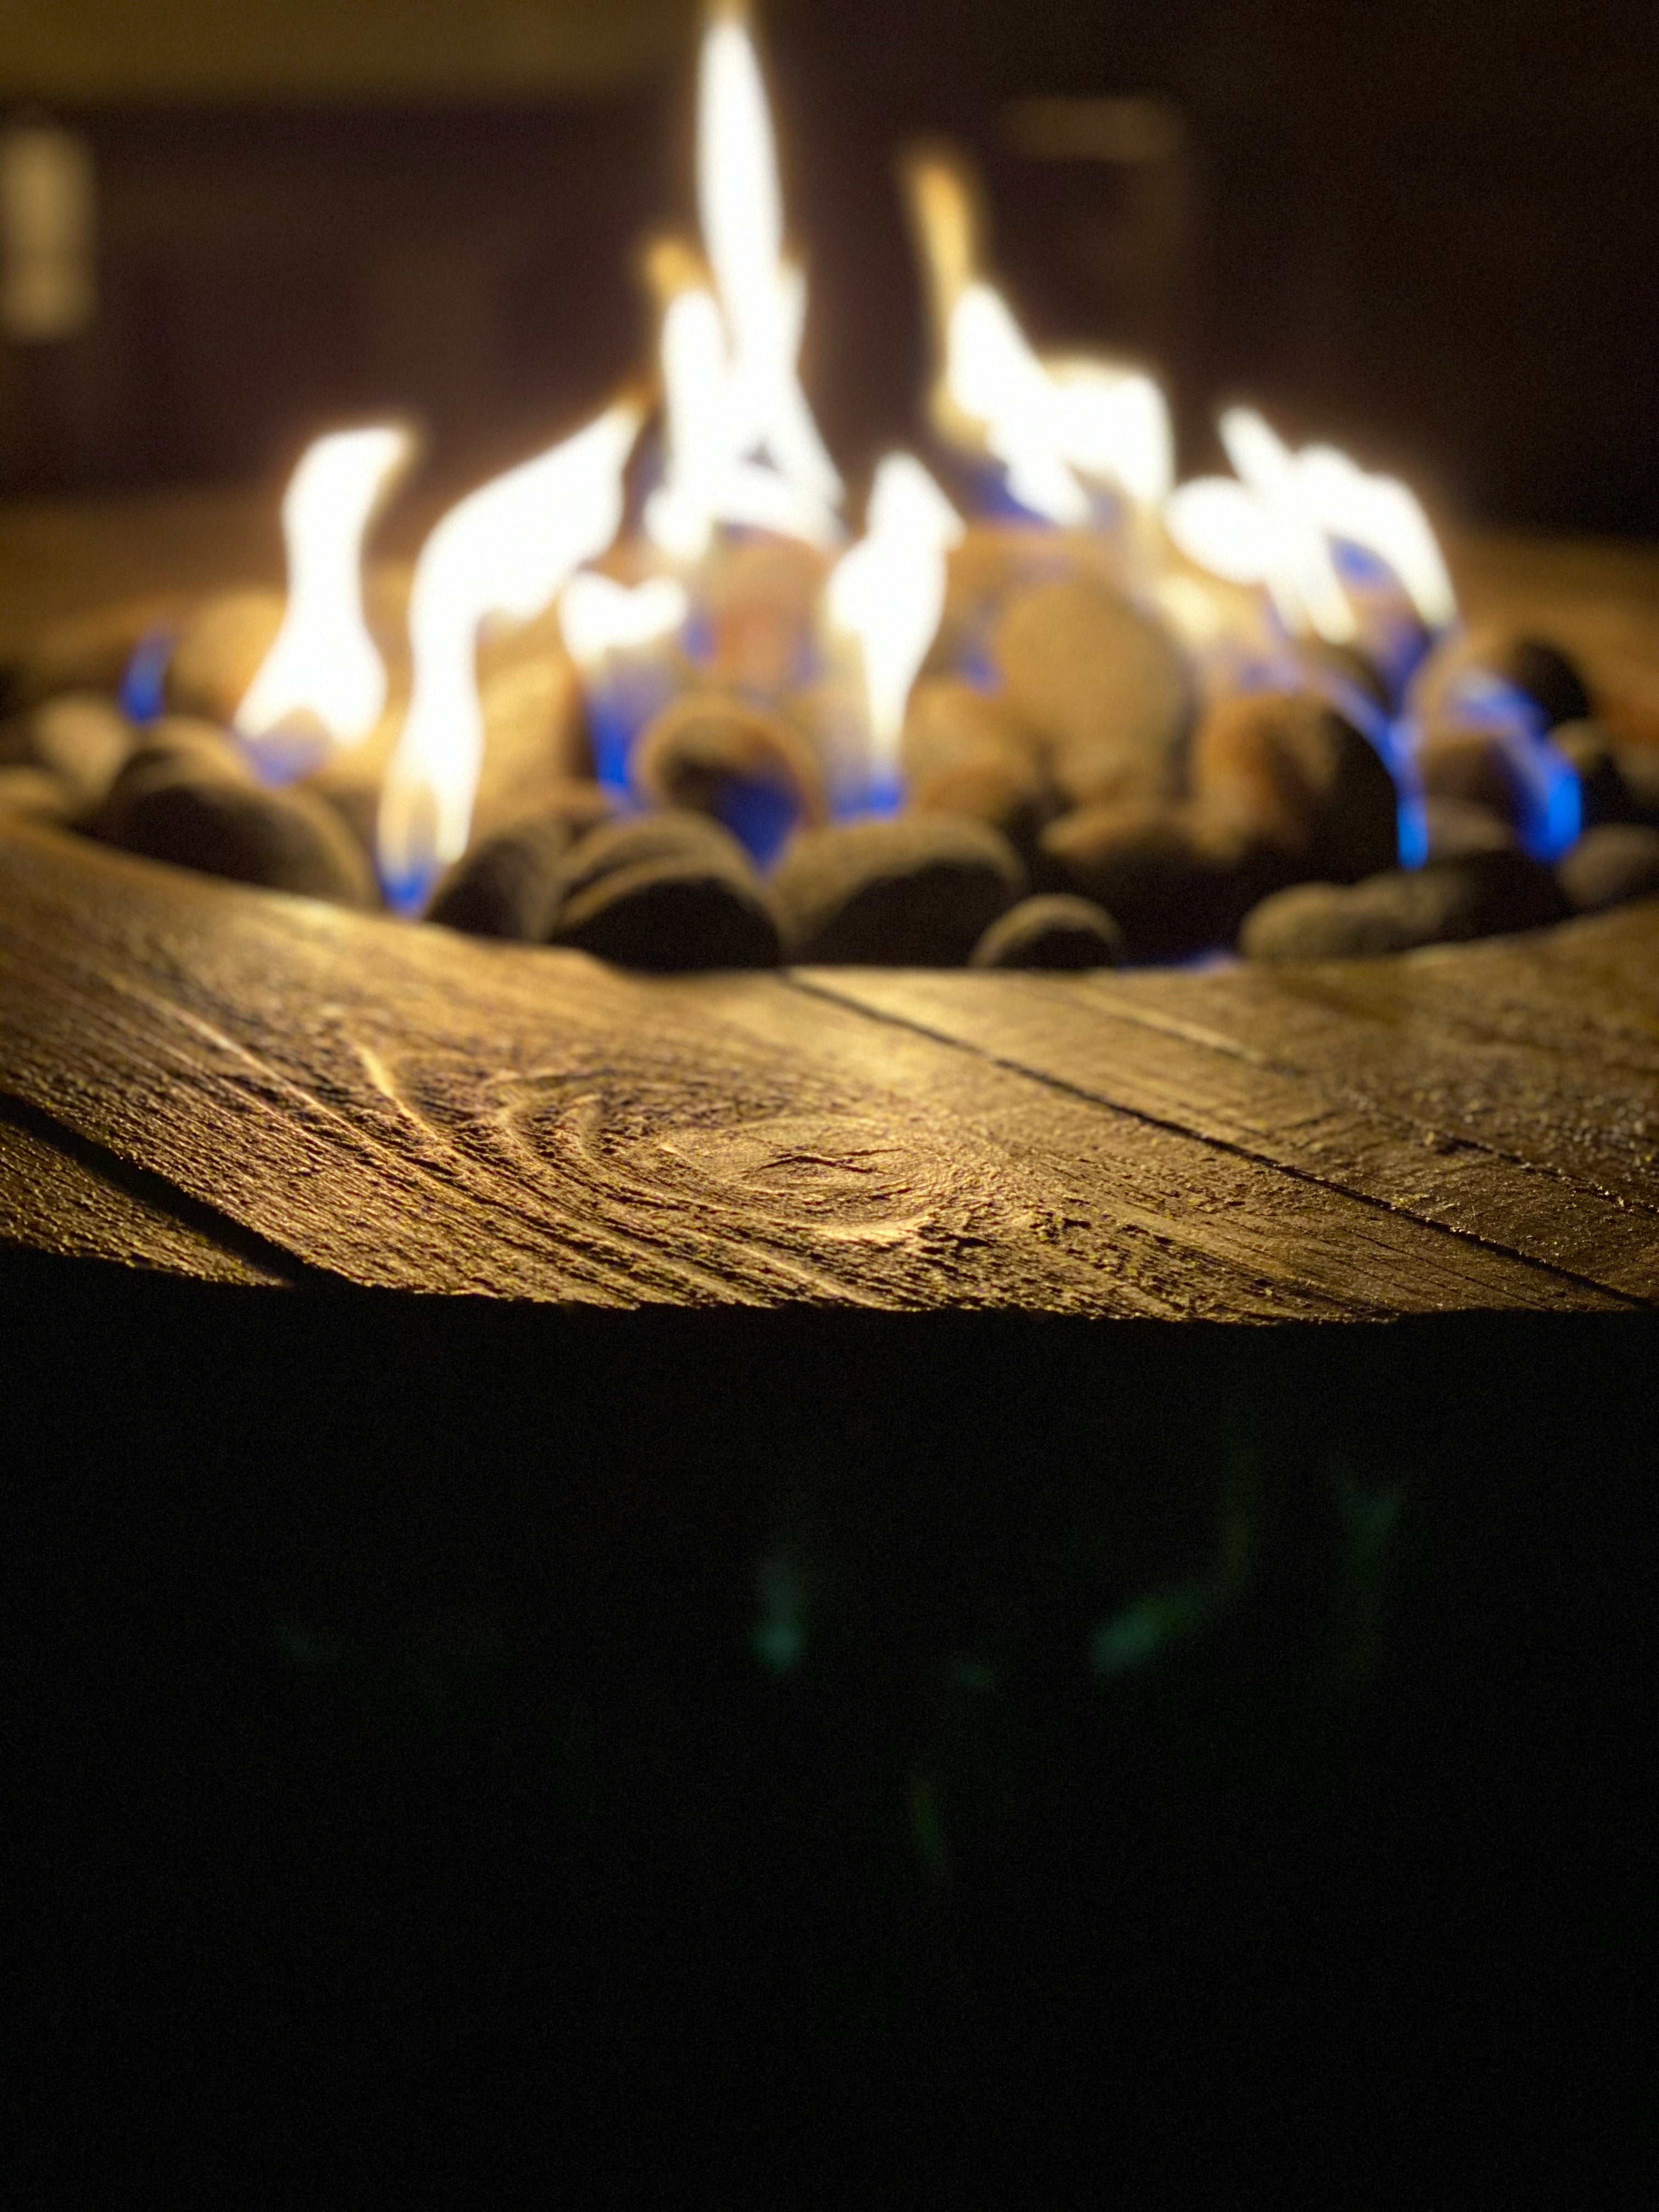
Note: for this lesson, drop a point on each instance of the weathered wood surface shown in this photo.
(399, 1106)
(239, 1087)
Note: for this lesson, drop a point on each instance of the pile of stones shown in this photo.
(1083, 807)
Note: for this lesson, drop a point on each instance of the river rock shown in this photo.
(669, 915)
(708, 753)
(197, 815)
(948, 721)
(1284, 770)
(1447, 901)
(632, 840)
(1457, 828)
(1544, 671)
(91, 652)
(1052, 931)
(917, 892)
(1474, 767)
(1008, 793)
(1638, 772)
(219, 650)
(1614, 862)
(1594, 755)
(1175, 881)
(81, 737)
(1104, 683)
(509, 885)
(38, 792)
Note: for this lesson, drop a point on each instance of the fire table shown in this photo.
(231, 1084)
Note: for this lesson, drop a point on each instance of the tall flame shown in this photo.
(506, 549)
(888, 592)
(1056, 424)
(322, 668)
(742, 446)
(1277, 525)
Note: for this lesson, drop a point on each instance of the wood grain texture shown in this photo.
(403, 1107)
(56, 1195)
(242, 1087)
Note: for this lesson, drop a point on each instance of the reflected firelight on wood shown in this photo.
(1042, 664)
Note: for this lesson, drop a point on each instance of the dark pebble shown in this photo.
(1447, 902)
(198, 815)
(1533, 664)
(673, 915)
(1595, 755)
(1616, 861)
(1475, 768)
(917, 892)
(508, 885)
(1638, 772)
(1174, 882)
(1289, 775)
(1051, 931)
(634, 840)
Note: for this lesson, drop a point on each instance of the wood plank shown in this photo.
(404, 1107)
(1468, 1088)
(58, 1195)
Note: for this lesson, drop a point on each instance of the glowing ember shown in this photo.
(742, 445)
(505, 550)
(323, 675)
(888, 592)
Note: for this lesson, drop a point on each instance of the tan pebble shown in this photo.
(948, 720)
(1103, 682)
(81, 737)
(36, 791)
(219, 652)
(91, 652)
(708, 753)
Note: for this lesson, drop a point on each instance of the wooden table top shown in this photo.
(245, 1087)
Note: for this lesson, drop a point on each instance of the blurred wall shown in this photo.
(1425, 233)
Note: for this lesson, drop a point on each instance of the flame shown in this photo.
(1054, 423)
(742, 446)
(888, 592)
(597, 616)
(506, 549)
(322, 668)
(1277, 526)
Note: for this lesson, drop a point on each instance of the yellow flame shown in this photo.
(1383, 516)
(322, 668)
(1054, 423)
(888, 591)
(742, 446)
(1276, 526)
(597, 616)
(506, 549)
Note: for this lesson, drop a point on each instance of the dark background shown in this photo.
(1425, 231)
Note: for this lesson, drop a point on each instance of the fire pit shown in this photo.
(646, 697)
